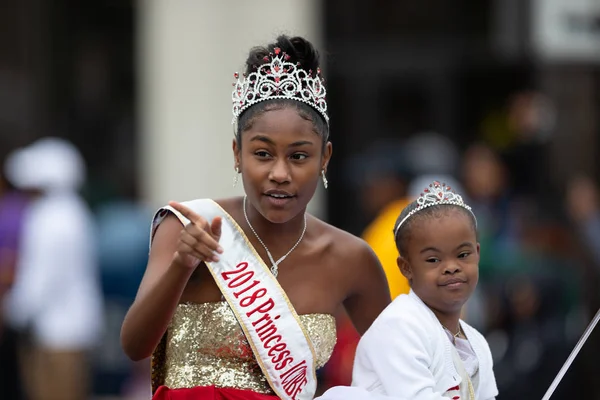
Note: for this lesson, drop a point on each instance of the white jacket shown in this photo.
(407, 354)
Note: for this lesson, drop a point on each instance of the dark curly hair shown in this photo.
(300, 51)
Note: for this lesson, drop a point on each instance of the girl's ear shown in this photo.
(405, 267)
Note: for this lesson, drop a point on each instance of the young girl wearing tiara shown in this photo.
(419, 348)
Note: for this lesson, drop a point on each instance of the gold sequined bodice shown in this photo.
(205, 345)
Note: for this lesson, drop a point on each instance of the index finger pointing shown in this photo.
(186, 212)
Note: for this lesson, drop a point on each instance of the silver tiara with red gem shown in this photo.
(279, 79)
(434, 195)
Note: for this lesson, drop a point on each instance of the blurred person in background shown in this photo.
(583, 206)
(431, 153)
(521, 133)
(486, 181)
(55, 302)
(12, 207)
(527, 282)
(382, 176)
(122, 256)
(239, 294)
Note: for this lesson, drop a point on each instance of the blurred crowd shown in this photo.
(68, 273)
(540, 244)
(70, 266)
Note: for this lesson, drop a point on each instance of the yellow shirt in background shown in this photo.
(379, 235)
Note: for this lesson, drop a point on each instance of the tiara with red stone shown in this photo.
(279, 79)
(434, 195)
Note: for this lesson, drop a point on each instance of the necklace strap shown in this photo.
(274, 264)
(455, 335)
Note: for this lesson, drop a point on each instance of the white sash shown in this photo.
(280, 344)
(466, 389)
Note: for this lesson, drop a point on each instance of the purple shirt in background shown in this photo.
(12, 210)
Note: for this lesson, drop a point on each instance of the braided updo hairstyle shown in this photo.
(300, 51)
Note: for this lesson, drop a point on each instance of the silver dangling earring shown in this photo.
(324, 178)
(235, 177)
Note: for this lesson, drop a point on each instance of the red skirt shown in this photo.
(208, 393)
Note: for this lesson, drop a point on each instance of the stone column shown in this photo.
(188, 52)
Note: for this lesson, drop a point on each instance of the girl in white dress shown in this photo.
(419, 348)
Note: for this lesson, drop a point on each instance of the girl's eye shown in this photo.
(262, 154)
(432, 260)
(299, 156)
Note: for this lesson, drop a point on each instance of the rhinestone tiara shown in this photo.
(279, 79)
(434, 195)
